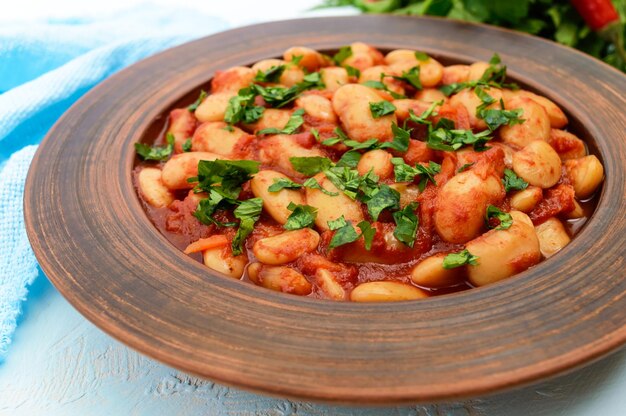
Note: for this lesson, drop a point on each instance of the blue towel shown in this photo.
(44, 69)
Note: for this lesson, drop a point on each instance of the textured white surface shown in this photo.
(60, 364)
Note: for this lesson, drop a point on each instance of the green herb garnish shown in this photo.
(504, 217)
(462, 258)
(157, 153)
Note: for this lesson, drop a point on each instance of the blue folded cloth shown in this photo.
(44, 69)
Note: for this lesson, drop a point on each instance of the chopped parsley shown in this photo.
(379, 85)
(462, 258)
(344, 53)
(512, 182)
(504, 217)
(302, 216)
(310, 166)
(495, 118)
(187, 145)
(465, 167)
(157, 153)
(494, 76)
(270, 75)
(406, 224)
(381, 108)
(407, 173)
(284, 183)
(295, 121)
(352, 71)
(421, 56)
(382, 198)
(411, 77)
(196, 104)
(248, 213)
(241, 108)
(345, 233)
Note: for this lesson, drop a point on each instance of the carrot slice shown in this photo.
(207, 243)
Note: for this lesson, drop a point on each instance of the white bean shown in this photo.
(285, 247)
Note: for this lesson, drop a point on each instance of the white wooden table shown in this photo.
(60, 364)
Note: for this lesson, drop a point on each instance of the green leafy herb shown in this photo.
(367, 232)
(345, 179)
(379, 85)
(310, 166)
(462, 258)
(344, 235)
(495, 118)
(316, 134)
(225, 177)
(337, 223)
(302, 216)
(197, 103)
(504, 217)
(228, 128)
(248, 213)
(400, 141)
(208, 206)
(241, 108)
(406, 224)
(271, 75)
(295, 60)
(339, 137)
(382, 198)
(294, 123)
(344, 53)
(283, 183)
(411, 77)
(407, 173)
(187, 145)
(157, 153)
(494, 76)
(349, 159)
(421, 56)
(513, 182)
(381, 108)
(352, 71)
(278, 97)
(464, 167)
(312, 183)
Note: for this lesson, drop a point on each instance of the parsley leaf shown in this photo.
(513, 182)
(197, 103)
(344, 235)
(379, 85)
(340, 137)
(381, 108)
(494, 76)
(295, 59)
(400, 141)
(352, 71)
(207, 207)
(294, 123)
(278, 97)
(367, 232)
(228, 174)
(504, 217)
(344, 53)
(384, 197)
(462, 258)
(283, 183)
(407, 173)
(495, 118)
(312, 183)
(337, 223)
(465, 167)
(411, 77)
(310, 166)
(158, 153)
(421, 56)
(349, 159)
(241, 108)
(302, 216)
(248, 213)
(270, 75)
(406, 224)
(187, 145)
